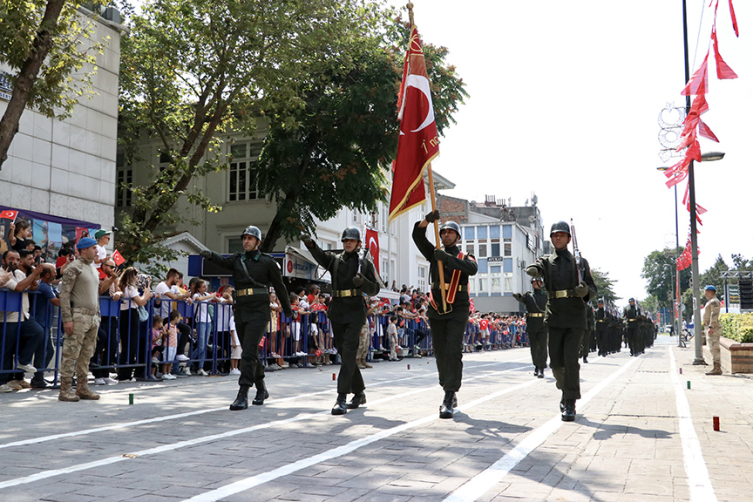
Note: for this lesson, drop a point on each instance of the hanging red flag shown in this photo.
(706, 132)
(372, 243)
(418, 143)
(9, 215)
(699, 82)
(118, 258)
(734, 18)
(723, 71)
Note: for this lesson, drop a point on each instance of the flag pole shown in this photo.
(440, 265)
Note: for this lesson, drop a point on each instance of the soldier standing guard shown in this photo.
(79, 310)
(447, 325)
(570, 285)
(352, 277)
(711, 321)
(535, 303)
(253, 272)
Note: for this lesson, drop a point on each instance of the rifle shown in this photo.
(576, 253)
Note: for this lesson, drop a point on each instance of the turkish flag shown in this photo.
(118, 258)
(372, 243)
(9, 215)
(418, 143)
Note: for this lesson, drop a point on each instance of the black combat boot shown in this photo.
(562, 403)
(241, 400)
(541, 372)
(569, 414)
(446, 410)
(536, 372)
(585, 359)
(261, 394)
(340, 408)
(357, 401)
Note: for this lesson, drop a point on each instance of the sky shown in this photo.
(564, 102)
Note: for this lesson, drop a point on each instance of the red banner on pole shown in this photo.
(372, 243)
(418, 143)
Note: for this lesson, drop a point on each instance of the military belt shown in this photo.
(564, 293)
(82, 310)
(344, 293)
(252, 291)
(535, 315)
(461, 287)
(601, 321)
(632, 320)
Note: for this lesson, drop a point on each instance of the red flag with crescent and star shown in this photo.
(372, 243)
(418, 143)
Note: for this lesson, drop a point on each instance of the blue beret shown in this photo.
(710, 288)
(86, 242)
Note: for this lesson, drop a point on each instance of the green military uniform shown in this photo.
(588, 334)
(253, 273)
(347, 313)
(601, 317)
(79, 304)
(535, 303)
(447, 327)
(565, 316)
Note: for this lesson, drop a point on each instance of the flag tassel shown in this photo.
(440, 265)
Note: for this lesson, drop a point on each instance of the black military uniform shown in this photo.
(447, 327)
(535, 303)
(347, 312)
(632, 317)
(565, 315)
(588, 334)
(602, 324)
(253, 273)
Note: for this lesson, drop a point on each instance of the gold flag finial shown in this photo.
(410, 13)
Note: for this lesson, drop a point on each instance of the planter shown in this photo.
(736, 357)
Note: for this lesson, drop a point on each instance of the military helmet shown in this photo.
(450, 225)
(351, 233)
(252, 231)
(560, 226)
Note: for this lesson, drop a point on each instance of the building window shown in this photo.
(470, 233)
(422, 278)
(471, 286)
(482, 250)
(508, 246)
(384, 216)
(508, 282)
(482, 233)
(496, 280)
(481, 284)
(125, 180)
(471, 249)
(235, 245)
(495, 250)
(243, 185)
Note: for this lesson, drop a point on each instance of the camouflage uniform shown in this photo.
(79, 304)
(711, 321)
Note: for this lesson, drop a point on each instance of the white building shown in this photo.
(66, 169)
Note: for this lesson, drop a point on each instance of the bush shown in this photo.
(737, 327)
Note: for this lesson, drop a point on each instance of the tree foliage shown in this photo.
(323, 75)
(605, 286)
(46, 44)
(659, 270)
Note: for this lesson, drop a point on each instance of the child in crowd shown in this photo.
(158, 334)
(235, 348)
(171, 346)
(392, 337)
(203, 321)
(295, 325)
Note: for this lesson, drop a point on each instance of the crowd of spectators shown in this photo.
(176, 330)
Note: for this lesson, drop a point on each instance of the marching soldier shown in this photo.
(447, 324)
(632, 314)
(253, 272)
(588, 334)
(602, 320)
(570, 285)
(352, 277)
(711, 321)
(535, 303)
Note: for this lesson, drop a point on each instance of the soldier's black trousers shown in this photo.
(564, 348)
(538, 340)
(346, 337)
(250, 333)
(586, 345)
(601, 339)
(447, 338)
(632, 336)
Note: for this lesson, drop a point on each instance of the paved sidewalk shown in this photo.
(179, 441)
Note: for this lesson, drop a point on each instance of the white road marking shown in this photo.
(214, 437)
(482, 482)
(695, 466)
(85, 432)
(250, 482)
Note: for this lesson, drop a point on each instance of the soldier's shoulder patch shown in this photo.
(471, 257)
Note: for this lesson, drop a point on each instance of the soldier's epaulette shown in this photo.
(268, 255)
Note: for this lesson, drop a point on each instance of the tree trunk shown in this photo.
(28, 75)
(275, 228)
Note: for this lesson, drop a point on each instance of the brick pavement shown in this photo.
(625, 444)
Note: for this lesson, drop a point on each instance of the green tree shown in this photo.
(659, 270)
(604, 286)
(45, 44)
(739, 262)
(322, 74)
